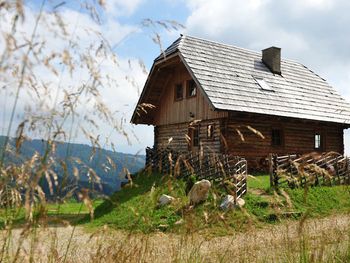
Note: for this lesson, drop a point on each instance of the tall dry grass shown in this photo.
(321, 240)
(57, 110)
(54, 70)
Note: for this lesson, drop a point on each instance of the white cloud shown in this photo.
(122, 7)
(119, 90)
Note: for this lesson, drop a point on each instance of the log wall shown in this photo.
(298, 137)
(174, 136)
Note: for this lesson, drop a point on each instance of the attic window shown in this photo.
(191, 88)
(262, 83)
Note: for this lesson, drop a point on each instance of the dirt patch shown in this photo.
(323, 237)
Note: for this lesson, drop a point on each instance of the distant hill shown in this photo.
(109, 171)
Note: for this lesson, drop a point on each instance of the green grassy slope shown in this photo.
(135, 207)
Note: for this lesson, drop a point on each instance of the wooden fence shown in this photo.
(311, 169)
(227, 170)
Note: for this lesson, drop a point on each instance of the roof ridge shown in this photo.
(234, 46)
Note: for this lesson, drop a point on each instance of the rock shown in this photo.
(229, 203)
(199, 192)
(240, 202)
(165, 200)
(179, 222)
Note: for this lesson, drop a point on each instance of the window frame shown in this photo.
(188, 86)
(192, 130)
(175, 91)
(212, 125)
(264, 86)
(320, 141)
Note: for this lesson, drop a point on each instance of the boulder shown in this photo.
(165, 200)
(240, 202)
(229, 203)
(199, 192)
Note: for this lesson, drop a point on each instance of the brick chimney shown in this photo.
(271, 57)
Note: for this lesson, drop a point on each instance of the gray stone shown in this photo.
(199, 192)
(229, 203)
(165, 200)
(240, 202)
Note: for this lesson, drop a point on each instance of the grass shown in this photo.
(259, 182)
(135, 208)
(321, 201)
(70, 211)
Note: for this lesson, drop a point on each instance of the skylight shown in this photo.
(262, 83)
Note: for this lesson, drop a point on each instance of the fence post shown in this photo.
(271, 168)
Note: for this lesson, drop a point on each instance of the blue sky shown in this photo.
(313, 32)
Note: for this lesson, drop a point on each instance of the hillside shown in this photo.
(111, 178)
(135, 208)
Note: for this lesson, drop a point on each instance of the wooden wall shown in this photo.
(298, 137)
(174, 136)
(170, 111)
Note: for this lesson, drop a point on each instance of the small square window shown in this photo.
(191, 88)
(318, 141)
(178, 92)
(276, 137)
(210, 131)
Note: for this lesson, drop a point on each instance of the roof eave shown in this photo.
(156, 63)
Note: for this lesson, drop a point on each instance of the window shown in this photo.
(178, 92)
(262, 84)
(276, 137)
(193, 133)
(191, 88)
(210, 131)
(318, 141)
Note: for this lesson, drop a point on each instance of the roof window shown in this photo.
(262, 83)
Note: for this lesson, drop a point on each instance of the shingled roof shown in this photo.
(228, 74)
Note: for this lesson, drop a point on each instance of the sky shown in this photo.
(313, 32)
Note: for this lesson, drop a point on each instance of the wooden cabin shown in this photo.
(206, 96)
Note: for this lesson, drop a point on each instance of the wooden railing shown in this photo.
(311, 169)
(220, 168)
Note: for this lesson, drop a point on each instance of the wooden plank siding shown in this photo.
(297, 137)
(170, 111)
